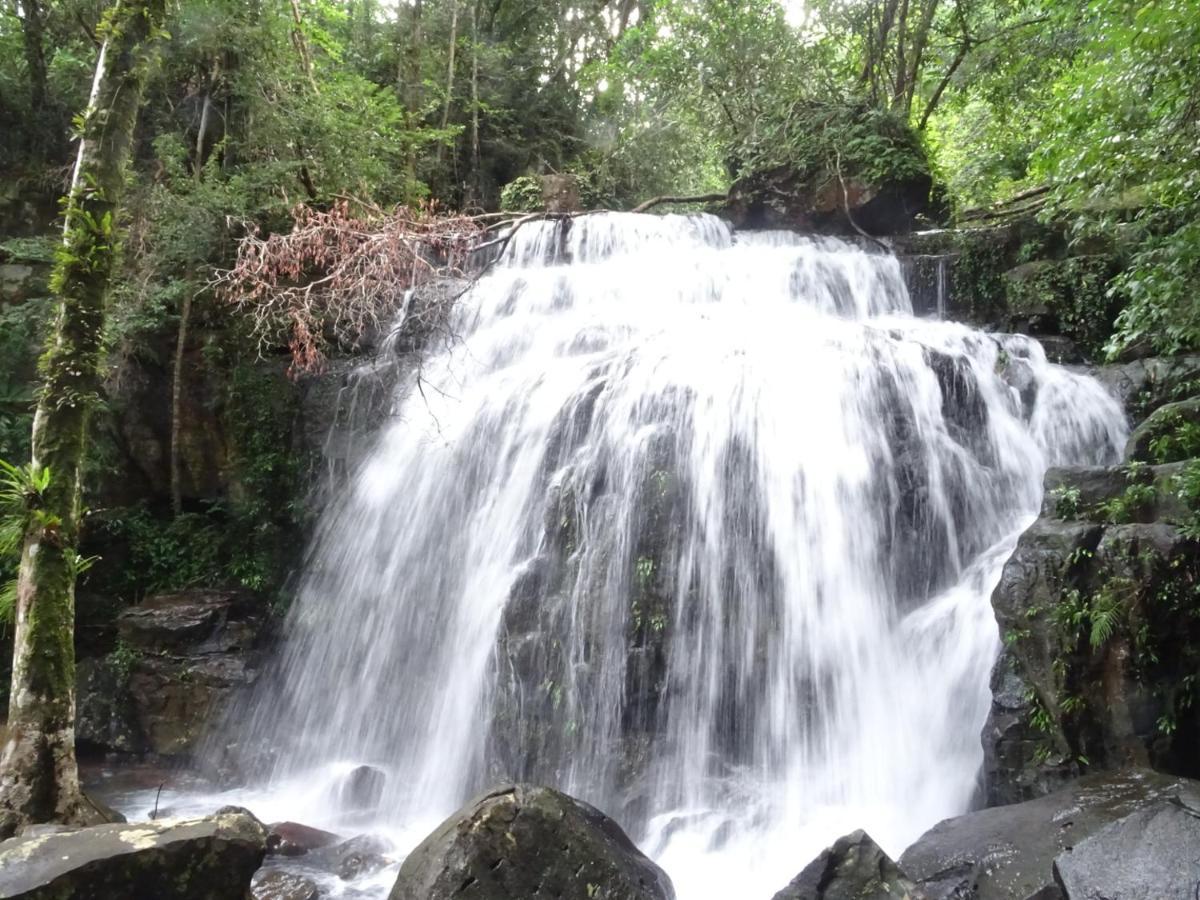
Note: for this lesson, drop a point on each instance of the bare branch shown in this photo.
(338, 275)
(701, 198)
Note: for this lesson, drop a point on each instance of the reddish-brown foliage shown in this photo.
(338, 275)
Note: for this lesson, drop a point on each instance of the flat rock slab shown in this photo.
(1152, 854)
(1009, 852)
(202, 859)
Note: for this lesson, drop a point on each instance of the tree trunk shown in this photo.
(410, 78)
(475, 191)
(917, 57)
(449, 72)
(875, 67)
(39, 779)
(185, 314)
(205, 110)
(901, 48)
(301, 45)
(33, 30)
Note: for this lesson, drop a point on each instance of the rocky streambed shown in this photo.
(1112, 836)
(1097, 610)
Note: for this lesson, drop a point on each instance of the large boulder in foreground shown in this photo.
(203, 859)
(1011, 852)
(1150, 854)
(854, 868)
(527, 841)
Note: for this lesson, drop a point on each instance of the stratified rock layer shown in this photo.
(180, 656)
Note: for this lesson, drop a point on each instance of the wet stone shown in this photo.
(363, 789)
(276, 884)
(294, 839)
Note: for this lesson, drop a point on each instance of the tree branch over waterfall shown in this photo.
(340, 274)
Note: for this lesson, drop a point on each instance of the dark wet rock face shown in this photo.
(854, 868)
(817, 202)
(203, 859)
(1096, 606)
(526, 841)
(1098, 634)
(1010, 852)
(1152, 854)
(179, 657)
(1020, 761)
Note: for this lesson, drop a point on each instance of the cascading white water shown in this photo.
(700, 528)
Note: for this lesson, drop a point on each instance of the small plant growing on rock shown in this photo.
(1066, 501)
(123, 658)
(1179, 438)
(1187, 488)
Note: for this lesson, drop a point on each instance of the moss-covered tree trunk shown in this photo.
(39, 779)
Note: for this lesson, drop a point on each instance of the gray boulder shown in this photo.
(854, 868)
(203, 859)
(527, 841)
(1152, 854)
(294, 839)
(1010, 852)
(362, 789)
(1144, 385)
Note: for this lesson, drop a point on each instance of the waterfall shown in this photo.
(698, 527)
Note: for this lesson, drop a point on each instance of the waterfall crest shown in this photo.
(698, 527)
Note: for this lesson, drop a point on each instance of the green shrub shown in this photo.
(523, 194)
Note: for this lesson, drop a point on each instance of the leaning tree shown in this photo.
(39, 778)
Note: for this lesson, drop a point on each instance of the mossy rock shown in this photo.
(1170, 434)
(1101, 637)
(202, 859)
(837, 169)
(1068, 297)
(527, 841)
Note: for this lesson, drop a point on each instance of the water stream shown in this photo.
(698, 527)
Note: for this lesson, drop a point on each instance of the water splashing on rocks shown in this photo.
(698, 527)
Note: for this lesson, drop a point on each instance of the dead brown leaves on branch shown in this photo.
(339, 274)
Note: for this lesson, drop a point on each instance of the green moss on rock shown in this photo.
(1068, 297)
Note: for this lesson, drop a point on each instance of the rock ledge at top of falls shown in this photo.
(212, 858)
(822, 202)
(1126, 836)
(528, 841)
